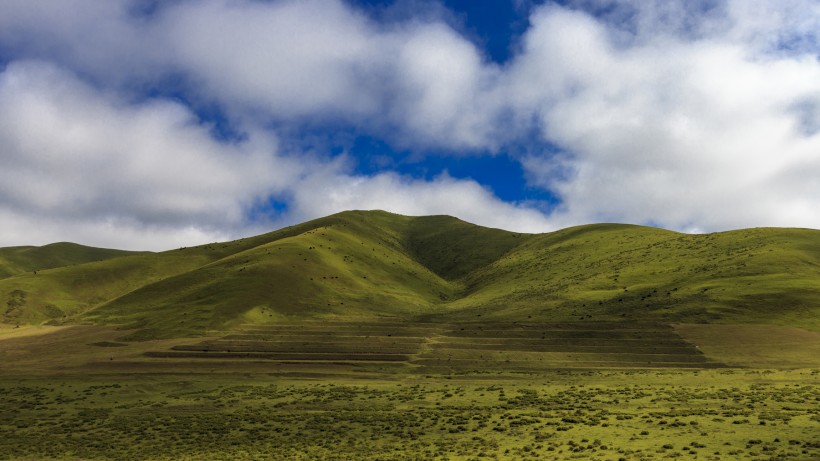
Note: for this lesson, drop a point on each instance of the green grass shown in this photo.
(377, 266)
(368, 335)
(757, 346)
(402, 349)
(452, 248)
(328, 271)
(463, 348)
(18, 260)
(606, 272)
(402, 390)
(604, 415)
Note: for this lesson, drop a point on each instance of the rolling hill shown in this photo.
(18, 260)
(373, 265)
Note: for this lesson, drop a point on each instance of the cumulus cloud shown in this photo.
(88, 166)
(419, 83)
(702, 134)
(692, 115)
(329, 192)
(104, 41)
(71, 154)
(444, 90)
(416, 82)
(285, 59)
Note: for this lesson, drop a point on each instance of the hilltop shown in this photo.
(18, 260)
(373, 265)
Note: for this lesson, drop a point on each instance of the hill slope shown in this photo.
(352, 265)
(371, 265)
(607, 272)
(18, 260)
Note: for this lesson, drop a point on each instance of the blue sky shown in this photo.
(151, 125)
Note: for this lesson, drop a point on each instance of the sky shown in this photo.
(147, 124)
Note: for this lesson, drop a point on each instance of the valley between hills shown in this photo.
(377, 265)
(370, 335)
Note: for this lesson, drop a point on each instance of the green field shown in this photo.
(381, 266)
(608, 415)
(367, 335)
(390, 390)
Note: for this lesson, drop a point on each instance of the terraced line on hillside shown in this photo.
(446, 347)
(566, 345)
(310, 342)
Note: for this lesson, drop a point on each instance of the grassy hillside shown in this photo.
(453, 248)
(350, 266)
(605, 272)
(377, 265)
(18, 260)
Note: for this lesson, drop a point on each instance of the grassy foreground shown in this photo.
(367, 335)
(385, 391)
(607, 415)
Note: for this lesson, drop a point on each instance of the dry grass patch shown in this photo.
(756, 346)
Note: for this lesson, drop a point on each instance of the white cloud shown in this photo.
(416, 82)
(90, 167)
(680, 133)
(445, 91)
(329, 192)
(286, 59)
(685, 114)
(71, 154)
(785, 26)
(101, 40)
(419, 83)
(23, 228)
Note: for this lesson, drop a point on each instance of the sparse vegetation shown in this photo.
(372, 265)
(559, 415)
(367, 335)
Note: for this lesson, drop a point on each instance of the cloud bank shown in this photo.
(696, 116)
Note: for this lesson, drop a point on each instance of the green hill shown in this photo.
(18, 260)
(378, 266)
(608, 272)
(353, 265)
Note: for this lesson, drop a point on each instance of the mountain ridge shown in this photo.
(21, 259)
(374, 264)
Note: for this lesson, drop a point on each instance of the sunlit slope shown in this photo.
(59, 294)
(62, 293)
(347, 266)
(18, 260)
(605, 272)
(376, 265)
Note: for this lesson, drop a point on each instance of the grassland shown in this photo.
(607, 415)
(377, 266)
(399, 390)
(18, 260)
(367, 335)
